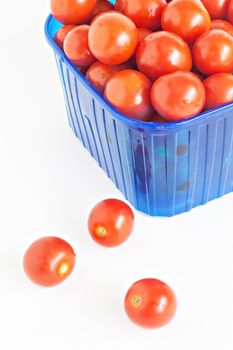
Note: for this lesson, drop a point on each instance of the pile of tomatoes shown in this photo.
(48, 261)
(153, 60)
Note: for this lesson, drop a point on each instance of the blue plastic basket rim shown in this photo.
(202, 117)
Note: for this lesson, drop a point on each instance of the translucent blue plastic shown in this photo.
(162, 169)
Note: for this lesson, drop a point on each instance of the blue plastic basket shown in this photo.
(162, 169)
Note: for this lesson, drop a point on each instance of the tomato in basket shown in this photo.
(145, 13)
(187, 18)
(72, 11)
(216, 8)
(113, 38)
(76, 46)
(213, 52)
(178, 95)
(219, 90)
(161, 53)
(129, 92)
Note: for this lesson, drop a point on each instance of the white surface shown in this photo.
(48, 185)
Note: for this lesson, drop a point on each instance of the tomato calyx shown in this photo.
(101, 231)
(136, 301)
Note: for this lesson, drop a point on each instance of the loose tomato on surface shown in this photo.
(76, 46)
(217, 8)
(99, 74)
(145, 13)
(111, 222)
(213, 52)
(113, 38)
(230, 12)
(161, 53)
(187, 18)
(223, 25)
(49, 261)
(129, 92)
(72, 11)
(178, 95)
(120, 5)
(219, 90)
(150, 303)
(62, 33)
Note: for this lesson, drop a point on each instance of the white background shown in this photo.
(49, 183)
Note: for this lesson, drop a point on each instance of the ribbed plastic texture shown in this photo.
(162, 169)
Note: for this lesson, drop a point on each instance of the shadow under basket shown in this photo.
(162, 169)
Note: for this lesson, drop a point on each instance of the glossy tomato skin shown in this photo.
(145, 13)
(187, 18)
(219, 90)
(213, 52)
(161, 53)
(120, 5)
(62, 33)
(230, 12)
(223, 25)
(129, 92)
(76, 46)
(113, 38)
(49, 261)
(99, 74)
(111, 222)
(72, 11)
(150, 303)
(178, 96)
(216, 8)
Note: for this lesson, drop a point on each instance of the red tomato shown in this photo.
(145, 13)
(72, 11)
(120, 5)
(213, 52)
(113, 38)
(111, 222)
(230, 11)
(102, 6)
(178, 95)
(142, 33)
(76, 46)
(187, 18)
(219, 90)
(224, 25)
(62, 33)
(99, 74)
(157, 119)
(216, 8)
(161, 53)
(49, 261)
(129, 92)
(150, 303)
